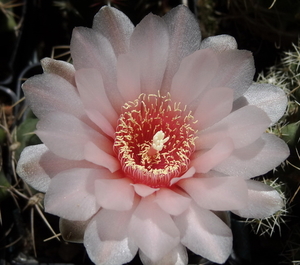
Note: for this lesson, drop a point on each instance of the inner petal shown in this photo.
(154, 140)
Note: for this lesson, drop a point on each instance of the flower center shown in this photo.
(154, 140)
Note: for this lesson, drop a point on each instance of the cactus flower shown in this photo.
(149, 135)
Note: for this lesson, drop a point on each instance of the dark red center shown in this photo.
(140, 121)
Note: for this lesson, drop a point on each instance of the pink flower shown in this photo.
(148, 135)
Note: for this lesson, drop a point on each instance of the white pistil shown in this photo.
(159, 140)
(157, 143)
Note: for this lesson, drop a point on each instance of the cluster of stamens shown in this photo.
(154, 140)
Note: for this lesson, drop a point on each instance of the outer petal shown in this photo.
(143, 190)
(243, 126)
(214, 105)
(71, 194)
(115, 26)
(72, 231)
(269, 98)
(91, 89)
(90, 49)
(37, 165)
(67, 136)
(205, 234)
(263, 201)
(217, 193)
(49, 92)
(99, 157)
(114, 194)
(219, 43)
(149, 45)
(172, 202)
(209, 159)
(98, 53)
(103, 124)
(193, 76)
(30, 170)
(185, 37)
(190, 173)
(236, 70)
(153, 230)
(53, 164)
(60, 68)
(177, 256)
(106, 238)
(129, 77)
(256, 159)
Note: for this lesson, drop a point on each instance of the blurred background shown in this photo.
(33, 29)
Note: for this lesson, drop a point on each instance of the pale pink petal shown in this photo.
(129, 82)
(263, 201)
(72, 231)
(98, 53)
(177, 256)
(53, 164)
(30, 170)
(255, 159)
(115, 26)
(114, 194)
(243, 126)
(108, 252)
(215, 104)
(113, 225)
(49, 92)
(211, 173)
(269, 98)
(143, 190)
(153, 230)
(105, 126)
(106, 238)
(71, 194)
(190, 173)
(149, 45)
(205, 234)
(217, 193)
(236, 70)
(37, 165)
(90, 49)
(91, 89)
(60, 68)
(194, 74)
(219, 43)
(66, 136)
(171, 201)
(185, 37)
(97, 156)
(211, 158)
